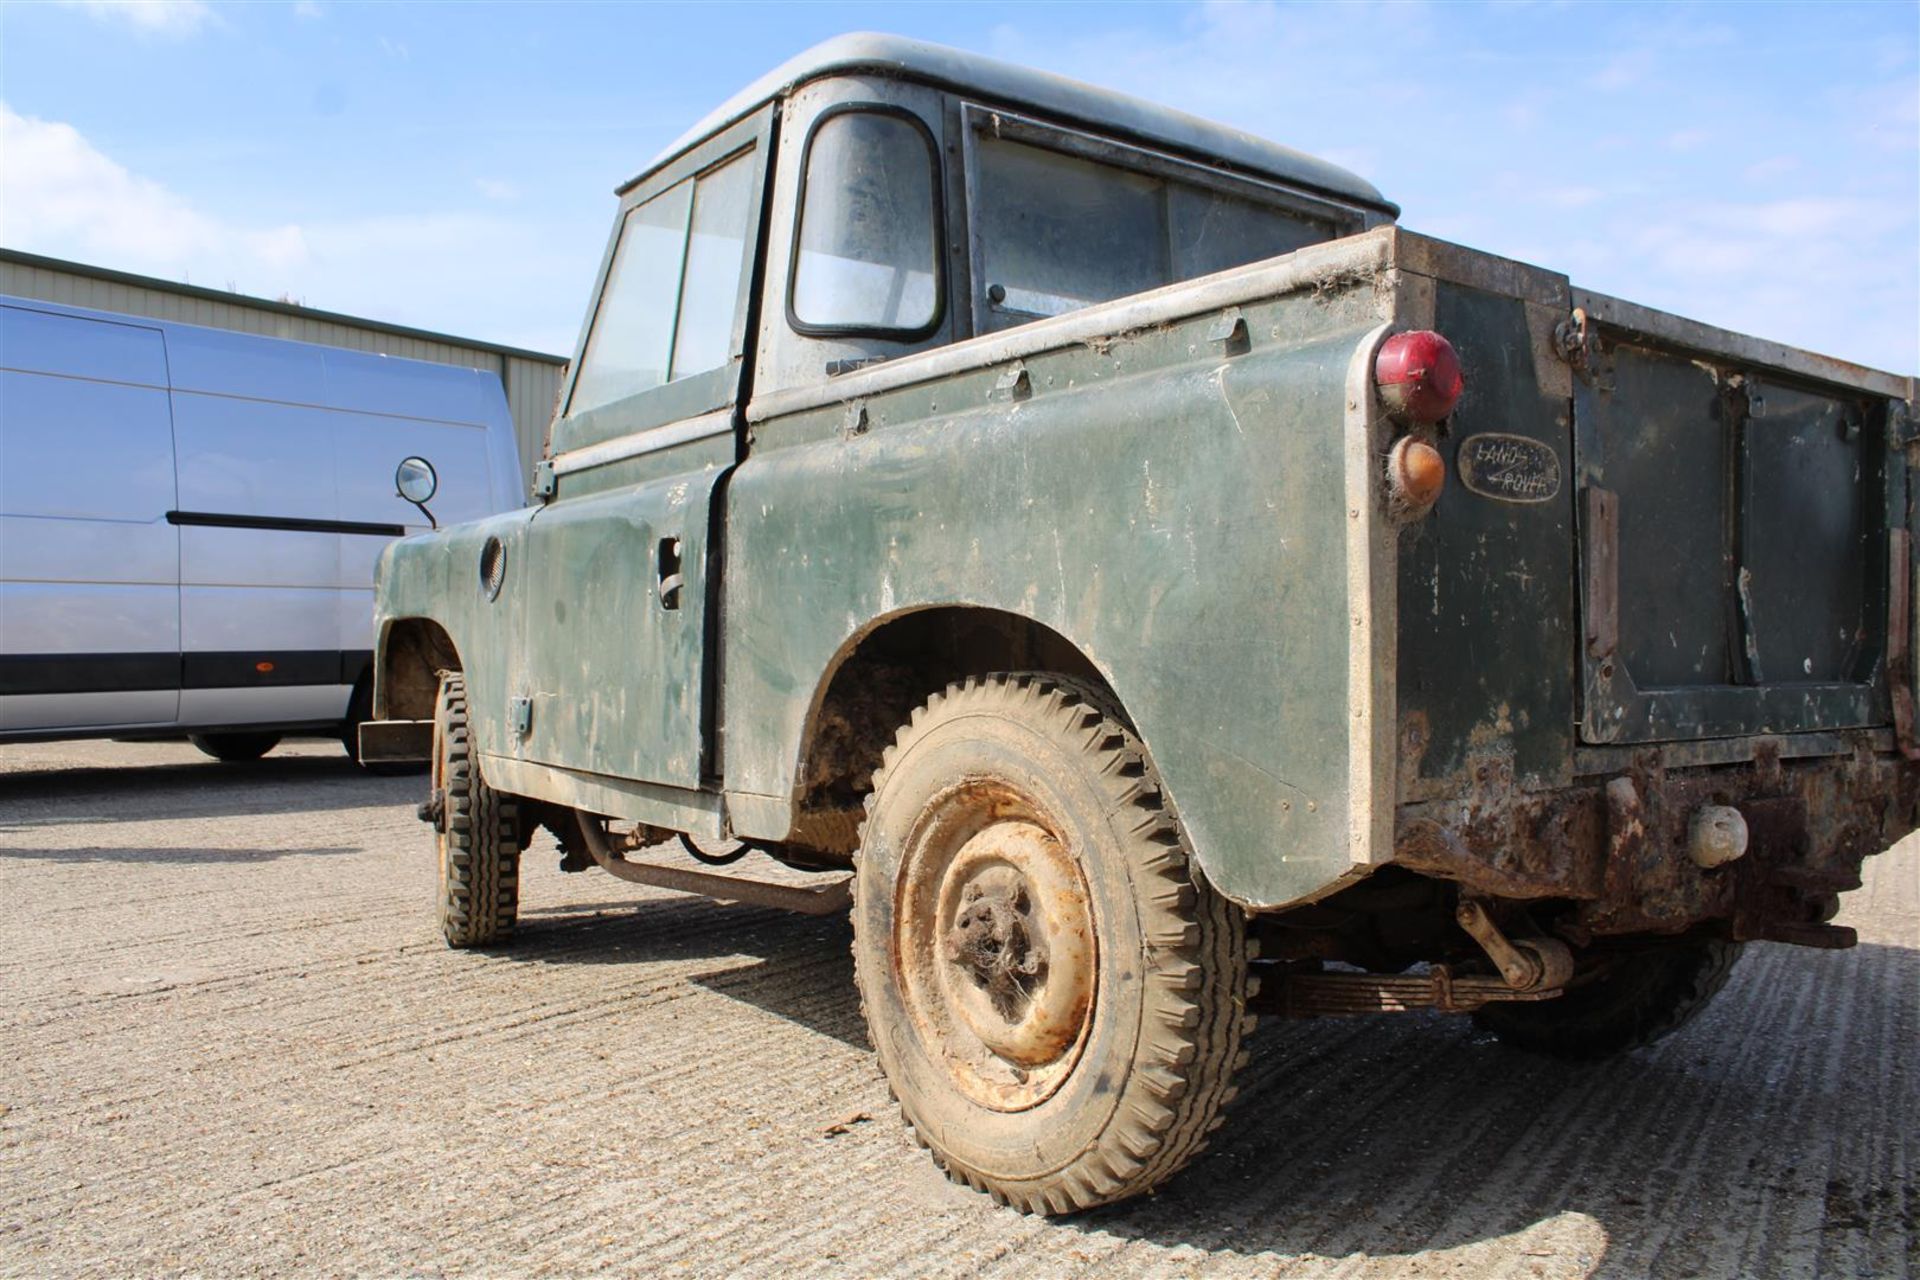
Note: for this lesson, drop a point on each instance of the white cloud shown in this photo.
(61, 196)
(1623, 71)
(1506, 151)
(308, 9)
(58, 194)
(155, 17)
(1772, 167)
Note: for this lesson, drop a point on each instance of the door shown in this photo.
(89, 565)
(612, 670)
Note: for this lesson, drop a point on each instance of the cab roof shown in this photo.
(1055, 96)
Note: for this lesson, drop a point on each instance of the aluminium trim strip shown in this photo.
(633, 445)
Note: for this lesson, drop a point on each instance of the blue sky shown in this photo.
(451, 166)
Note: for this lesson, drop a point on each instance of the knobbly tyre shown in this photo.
(1173, 592)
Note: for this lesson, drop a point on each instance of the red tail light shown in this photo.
(1418, 375)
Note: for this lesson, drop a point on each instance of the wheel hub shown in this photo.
(999, 939)
(996, 943)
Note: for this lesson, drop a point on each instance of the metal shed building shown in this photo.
(531, 378)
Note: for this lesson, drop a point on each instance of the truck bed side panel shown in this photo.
(1171, 510)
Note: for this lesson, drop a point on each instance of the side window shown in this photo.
(715, 249)
(667, 310)
(867, 249)
(1057, 232)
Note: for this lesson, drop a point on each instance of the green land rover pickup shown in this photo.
(1151, 589)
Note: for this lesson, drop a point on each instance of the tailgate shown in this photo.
(1742, 511)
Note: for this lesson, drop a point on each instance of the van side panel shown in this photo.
(475, 457)
(89, 566)
(287, 431)
(138, 593)
(250, 596)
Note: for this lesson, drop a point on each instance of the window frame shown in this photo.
(977, 120)
(935, 174)
(698, 393)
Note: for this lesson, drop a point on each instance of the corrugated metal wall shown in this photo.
(531, 379)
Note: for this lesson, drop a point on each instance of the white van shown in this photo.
(189, 520)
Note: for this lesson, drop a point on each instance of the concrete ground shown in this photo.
(231, 1043)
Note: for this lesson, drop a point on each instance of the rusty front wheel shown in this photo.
(1056, 995)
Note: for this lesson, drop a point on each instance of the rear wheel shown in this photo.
(476, 832)
(235, 748)
(1055, 994)
(1641, 998)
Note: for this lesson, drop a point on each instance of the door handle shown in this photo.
(669, 579)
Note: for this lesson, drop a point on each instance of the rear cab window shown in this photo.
(1063, 220)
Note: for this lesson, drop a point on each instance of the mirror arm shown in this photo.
(431, 522)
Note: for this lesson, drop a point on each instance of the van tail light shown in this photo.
(1418, 375)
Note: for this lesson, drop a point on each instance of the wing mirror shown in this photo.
(416, 481)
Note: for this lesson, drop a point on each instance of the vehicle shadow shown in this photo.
(194, 789)
(165, 856)
(1391, 1136)
(800, 969)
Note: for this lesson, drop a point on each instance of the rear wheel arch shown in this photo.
(877, 679)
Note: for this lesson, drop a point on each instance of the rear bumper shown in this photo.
(396, 741)
(1618, 847)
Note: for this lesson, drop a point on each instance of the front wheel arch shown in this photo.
(413, 654)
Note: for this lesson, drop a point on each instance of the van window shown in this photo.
(668, 306)
(1058, 232)
(866, 251)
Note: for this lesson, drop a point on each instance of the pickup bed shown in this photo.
(1173, 592)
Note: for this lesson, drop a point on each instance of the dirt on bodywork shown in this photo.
(1619, 849)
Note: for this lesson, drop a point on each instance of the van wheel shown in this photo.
(235, 748)
(1643, 998)
(1055, 994)
(476, 832)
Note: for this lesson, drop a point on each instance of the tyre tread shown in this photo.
(1194, 1018)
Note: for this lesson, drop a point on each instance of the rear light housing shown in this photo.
(1416, 473)
(1418, 376)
